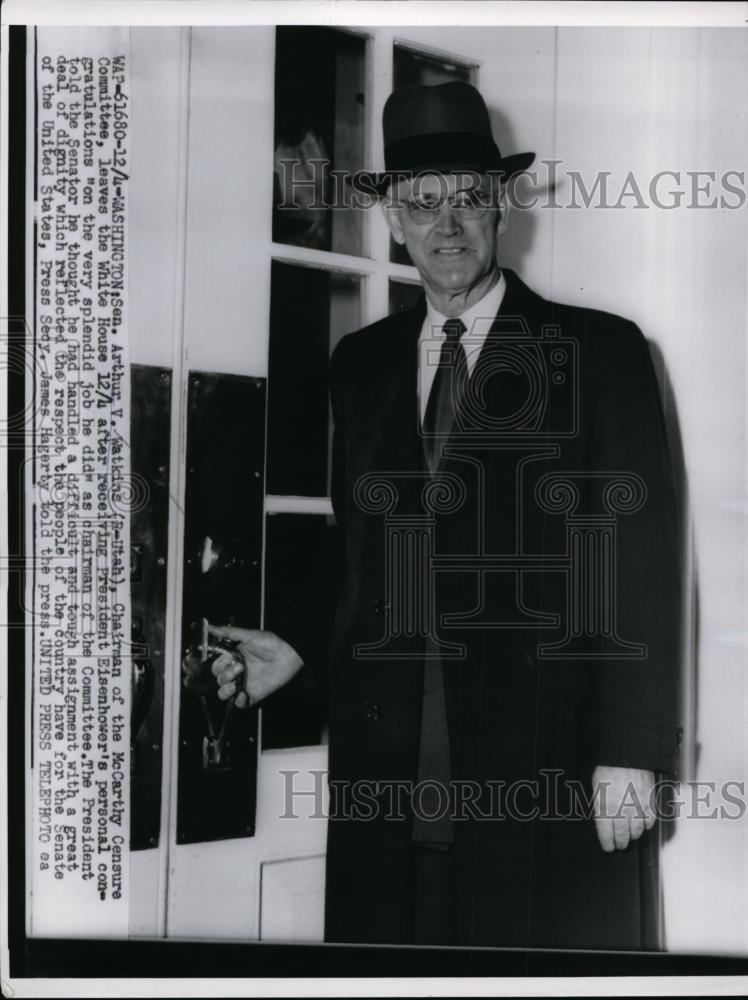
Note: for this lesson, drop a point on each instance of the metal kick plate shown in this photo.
(222, 584)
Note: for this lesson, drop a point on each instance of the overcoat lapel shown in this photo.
(519, 302)
(400, 447)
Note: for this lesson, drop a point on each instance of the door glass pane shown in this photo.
(411, 67)
(296, 714)
(408, 68)
(310, 310)
(319, 126)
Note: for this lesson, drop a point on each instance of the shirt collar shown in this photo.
(478, 319)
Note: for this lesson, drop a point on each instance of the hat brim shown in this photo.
(370, 182)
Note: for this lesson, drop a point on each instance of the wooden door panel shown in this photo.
(292, 899)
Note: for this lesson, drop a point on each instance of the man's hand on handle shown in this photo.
(261, 663)
(623, 807)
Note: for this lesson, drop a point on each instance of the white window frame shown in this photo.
(375, 269)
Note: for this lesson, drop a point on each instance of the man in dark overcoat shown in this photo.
(500, 613)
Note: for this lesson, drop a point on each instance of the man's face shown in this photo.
(454, 253)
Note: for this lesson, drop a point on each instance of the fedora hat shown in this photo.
(444, 129)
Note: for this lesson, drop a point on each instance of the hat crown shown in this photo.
(428, 110)
(441, 128)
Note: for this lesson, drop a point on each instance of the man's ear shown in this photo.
(503, 203)
(392, 215)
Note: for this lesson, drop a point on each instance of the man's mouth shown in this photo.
(450, 251)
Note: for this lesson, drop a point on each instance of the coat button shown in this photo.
(372, 711)
(679, 739)
(382, 607)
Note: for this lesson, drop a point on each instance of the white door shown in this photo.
(223, 280)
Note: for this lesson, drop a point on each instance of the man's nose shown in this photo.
(449, 220)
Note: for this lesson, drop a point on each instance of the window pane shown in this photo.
(409, 68)
(319, 126)
(310, 310)
(296, 714)
(402, 295)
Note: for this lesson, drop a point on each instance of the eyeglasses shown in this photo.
(468, 205)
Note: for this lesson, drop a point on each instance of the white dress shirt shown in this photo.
(477, 319)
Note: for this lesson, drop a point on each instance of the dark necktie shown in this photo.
(446, 391)
(434, 756)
